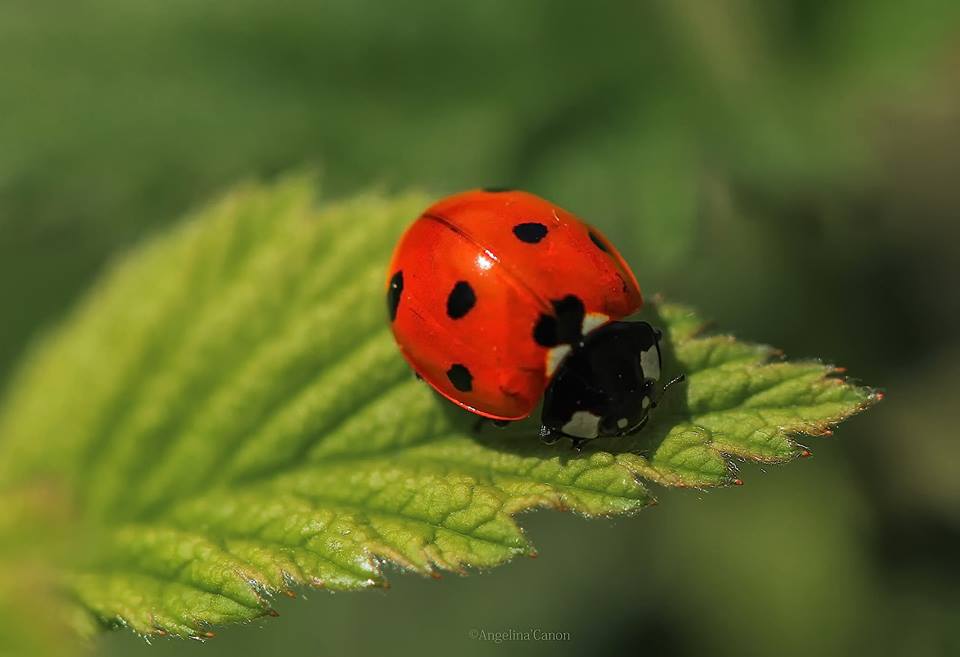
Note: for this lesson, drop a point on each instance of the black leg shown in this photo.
(640, 426)
(478, 425)
(549, 436)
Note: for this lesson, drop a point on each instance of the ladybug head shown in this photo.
(605, 386)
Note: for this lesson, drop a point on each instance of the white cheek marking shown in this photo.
(583, 424)
(645, 403)
(592, 321)
(622, 423)
(554, 356)
(650, 362)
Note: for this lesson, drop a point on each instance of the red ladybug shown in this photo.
(498, 298)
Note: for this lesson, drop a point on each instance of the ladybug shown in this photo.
(499, 298)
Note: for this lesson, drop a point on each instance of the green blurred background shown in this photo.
(790, 167)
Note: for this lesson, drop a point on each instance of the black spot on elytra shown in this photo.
(393, 294)
(564, 326)
(531, 232)
(596, 240)
(497, 190)
(545, 332)
(460, 377)
(460, 300)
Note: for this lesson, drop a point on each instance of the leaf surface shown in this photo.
(232, 420)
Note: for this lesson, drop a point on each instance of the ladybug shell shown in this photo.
(472, 277)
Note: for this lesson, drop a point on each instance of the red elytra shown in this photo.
(471, 278)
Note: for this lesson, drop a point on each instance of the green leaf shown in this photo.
(229, 419)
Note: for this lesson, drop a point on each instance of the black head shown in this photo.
(606, 385)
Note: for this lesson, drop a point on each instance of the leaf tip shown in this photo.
(203, 636)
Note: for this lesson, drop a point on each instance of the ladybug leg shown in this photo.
(640, 426)
(576, 444)
(481, 421)
(549, 436)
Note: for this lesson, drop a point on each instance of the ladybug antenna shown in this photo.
(677, 379)
(680, 378)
